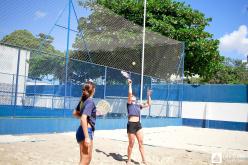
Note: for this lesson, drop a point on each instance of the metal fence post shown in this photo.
(12, 89)
(53, 95)
(167, 101)
(17, 78)
(34, 92)
(105, 83)
(70, 95)
(149, 114)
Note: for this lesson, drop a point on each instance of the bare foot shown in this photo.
(128, 162)
(144, 163)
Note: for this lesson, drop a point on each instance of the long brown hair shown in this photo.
(87, 90)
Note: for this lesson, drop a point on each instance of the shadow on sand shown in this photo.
(116, 156)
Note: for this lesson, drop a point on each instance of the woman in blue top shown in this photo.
(134, 128)
(86, 112)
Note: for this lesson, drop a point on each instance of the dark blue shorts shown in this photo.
(80, 134)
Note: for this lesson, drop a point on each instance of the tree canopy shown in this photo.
(44, 59)
(177, 21)
(232, 72)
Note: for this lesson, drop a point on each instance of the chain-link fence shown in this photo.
(37, 72)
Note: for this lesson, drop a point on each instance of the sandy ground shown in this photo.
(163, 146)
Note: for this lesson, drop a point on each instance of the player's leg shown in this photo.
(140, 138)
(86, 153)
(80, 137)
(86, 150)
(80, 151)
(131, 140)
(90, 150)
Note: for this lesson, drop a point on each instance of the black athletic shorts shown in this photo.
(133, 127)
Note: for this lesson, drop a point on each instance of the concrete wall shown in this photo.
(8, 72)
(232, 116)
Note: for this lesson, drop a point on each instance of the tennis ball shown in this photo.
(133, 63)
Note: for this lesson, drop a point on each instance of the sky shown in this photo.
(229, 24)
(229, 21)
(40, 16)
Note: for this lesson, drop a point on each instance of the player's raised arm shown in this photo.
(149, 100)
(130, 92)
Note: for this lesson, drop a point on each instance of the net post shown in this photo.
(67, 51)
(143, 54)
(182, 72)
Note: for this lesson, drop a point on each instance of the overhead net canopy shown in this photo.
(109, 39)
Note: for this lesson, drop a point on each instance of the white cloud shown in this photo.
(237, 41)
(39, 14)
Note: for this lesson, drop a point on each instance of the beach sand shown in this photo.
(163, 146)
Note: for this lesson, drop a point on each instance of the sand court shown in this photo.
(165, 145)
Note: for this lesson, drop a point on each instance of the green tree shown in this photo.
(44, 59)
(177, 21)
(21, 38)
(232, 72)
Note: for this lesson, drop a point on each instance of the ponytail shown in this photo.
(88, 90)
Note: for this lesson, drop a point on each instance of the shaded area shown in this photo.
(116, 156)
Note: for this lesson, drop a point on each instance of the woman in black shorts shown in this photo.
(134, 128)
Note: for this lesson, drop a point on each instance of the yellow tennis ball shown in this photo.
(133, 63)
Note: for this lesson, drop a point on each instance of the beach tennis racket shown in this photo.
(125, 74)
(103, 107)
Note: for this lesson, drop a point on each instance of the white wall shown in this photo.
(118, 105)
(8, 69)
(237, 112)
(9, 59)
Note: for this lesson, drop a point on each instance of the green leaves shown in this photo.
(22, 38)
(231, 72)
(40, 64)
(177, 21)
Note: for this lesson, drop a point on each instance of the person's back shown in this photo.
(86, 112)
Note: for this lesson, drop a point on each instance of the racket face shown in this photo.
(103, 107)
(125, 74)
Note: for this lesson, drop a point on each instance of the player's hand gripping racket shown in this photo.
(103, 107)
(125, 74)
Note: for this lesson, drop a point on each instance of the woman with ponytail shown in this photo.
(86, 112)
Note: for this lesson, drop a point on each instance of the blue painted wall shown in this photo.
(202, 93)
(216, 93)
(60, 120)
(186, 92)
(51, 125)
(229, 125)
(59, 90)
(22, 111)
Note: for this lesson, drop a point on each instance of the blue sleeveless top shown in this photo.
(133, 109)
